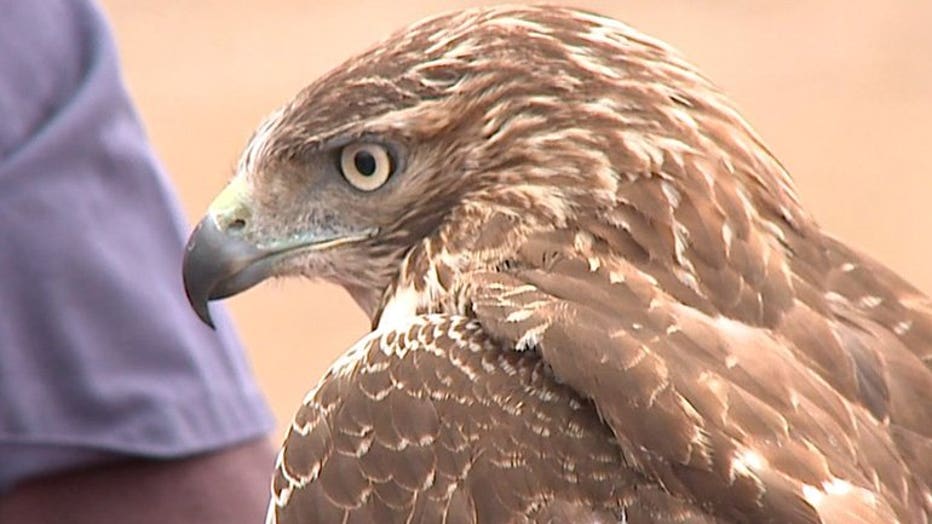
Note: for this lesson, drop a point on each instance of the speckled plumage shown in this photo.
(595, 297)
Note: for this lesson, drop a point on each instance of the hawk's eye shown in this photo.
(365, 165)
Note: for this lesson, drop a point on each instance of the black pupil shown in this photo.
(365, 163)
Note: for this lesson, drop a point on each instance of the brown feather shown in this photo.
(595, 297)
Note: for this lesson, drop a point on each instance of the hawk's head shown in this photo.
(533, 115)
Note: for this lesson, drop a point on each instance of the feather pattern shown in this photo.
(595, 297)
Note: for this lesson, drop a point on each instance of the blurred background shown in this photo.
(840, 90)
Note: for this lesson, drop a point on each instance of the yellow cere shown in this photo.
(228, 205)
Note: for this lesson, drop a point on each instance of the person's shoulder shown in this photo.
(46, 51)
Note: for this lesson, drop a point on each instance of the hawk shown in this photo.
(594, 293)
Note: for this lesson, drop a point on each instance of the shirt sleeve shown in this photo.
(100, 354)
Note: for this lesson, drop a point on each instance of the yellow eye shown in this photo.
(365, 165)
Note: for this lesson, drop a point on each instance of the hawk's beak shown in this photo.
(218, 264)
(220, 261)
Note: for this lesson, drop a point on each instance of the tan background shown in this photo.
(841, 90)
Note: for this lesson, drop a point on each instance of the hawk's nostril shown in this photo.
(236, 225)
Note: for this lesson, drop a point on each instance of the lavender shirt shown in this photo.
(100, 354)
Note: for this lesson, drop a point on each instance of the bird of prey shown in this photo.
(594, 293)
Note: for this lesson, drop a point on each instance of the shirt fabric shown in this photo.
(100, 354)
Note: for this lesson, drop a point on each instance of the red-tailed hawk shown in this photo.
(595, 296)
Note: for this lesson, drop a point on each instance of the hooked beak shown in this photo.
(220, 262)
(218, 265)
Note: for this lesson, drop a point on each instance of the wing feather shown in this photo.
(435, 422)
(765, 420)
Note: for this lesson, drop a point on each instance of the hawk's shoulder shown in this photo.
(803, 409)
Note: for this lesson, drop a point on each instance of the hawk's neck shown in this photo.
(473, 239)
